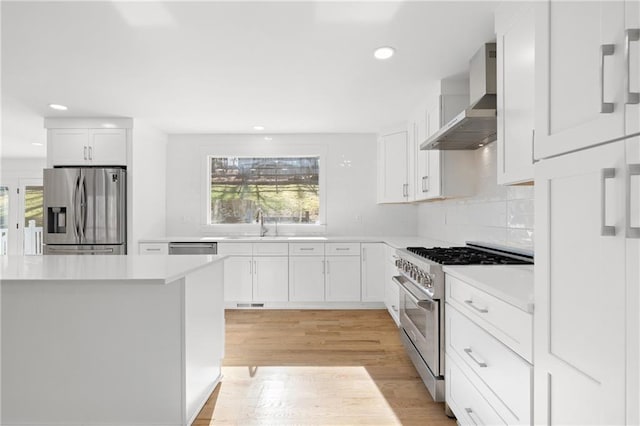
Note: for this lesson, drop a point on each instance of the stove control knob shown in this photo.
(428, 280)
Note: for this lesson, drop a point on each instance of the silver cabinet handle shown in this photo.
(632, 231)
(90, 153)
(605, 231)
(255, 267)
(425, 187)
(471, 415)
(328, 271)
(469, 352)
(394, 308)
(306, 248)
(342, 248)
(481, 310)
(85, 152)
(323, 269)
(630, 35)
(152, 249)
(250, 267)
(605, 50)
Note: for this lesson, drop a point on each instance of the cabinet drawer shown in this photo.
(502, 370)
(237, 249)
(509, 324)
(342, 249)
(306, 249)
(270, 249)
(466, 401)
(153, 248)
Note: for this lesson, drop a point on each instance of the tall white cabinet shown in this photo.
(587, 326)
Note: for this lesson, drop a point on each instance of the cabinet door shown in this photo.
(238, 279)
(108, 147)
(392, 164)
(579, 324)
(342, 279)
(373, 272)
(515, 72)
(419, 127)
(271, 279)
(68, 147)
(579, 84)
(306, 278)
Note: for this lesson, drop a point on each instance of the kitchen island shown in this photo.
(118, 340)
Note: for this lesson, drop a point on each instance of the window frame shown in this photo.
(271, 150)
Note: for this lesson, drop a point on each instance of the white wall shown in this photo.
(498, 214)
(147, 184)
(351, 207)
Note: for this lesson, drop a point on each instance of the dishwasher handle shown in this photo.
(193, 248)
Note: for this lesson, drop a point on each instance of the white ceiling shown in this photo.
(222, 67)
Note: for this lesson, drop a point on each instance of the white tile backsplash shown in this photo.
(497, 214)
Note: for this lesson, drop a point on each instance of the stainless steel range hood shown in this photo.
(476, 125)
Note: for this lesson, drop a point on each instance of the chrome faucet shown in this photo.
(260, 220)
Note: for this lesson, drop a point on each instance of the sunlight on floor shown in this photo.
(300, 395)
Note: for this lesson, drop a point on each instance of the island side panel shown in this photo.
(204, 335)
(89, 353)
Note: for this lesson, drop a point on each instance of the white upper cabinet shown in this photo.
(580, 75)
(393, 183)
(515, 31)
(89, 147)
(439, 174)
(87, 142)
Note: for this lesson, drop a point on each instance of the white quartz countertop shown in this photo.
(69, 268)
(394, 241)
(510, 283)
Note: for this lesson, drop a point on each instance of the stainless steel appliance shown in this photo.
(477, 125)
(193, 248)
(422, 288)
(85, 210)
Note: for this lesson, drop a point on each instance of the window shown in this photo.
(286, 189)
(33, 219)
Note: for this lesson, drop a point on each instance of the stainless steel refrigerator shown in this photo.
(85, 210)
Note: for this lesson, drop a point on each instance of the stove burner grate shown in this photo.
(465, 256)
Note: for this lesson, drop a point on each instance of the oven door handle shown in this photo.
(427, 305)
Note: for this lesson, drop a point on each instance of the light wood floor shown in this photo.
(310, 367)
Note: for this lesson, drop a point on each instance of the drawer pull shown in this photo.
(471, 415)
(152, 249)
(481, 310)
(480, 363)
(307, 248)
(342, 248)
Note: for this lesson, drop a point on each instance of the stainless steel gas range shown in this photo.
(421, 282)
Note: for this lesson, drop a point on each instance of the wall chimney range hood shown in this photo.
(476, 125)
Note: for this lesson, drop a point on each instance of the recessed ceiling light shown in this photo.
(258, 127)
(268, 138)
(480, 144)
(384, 52)
(58, 107)
(37, 144)
(108, 125)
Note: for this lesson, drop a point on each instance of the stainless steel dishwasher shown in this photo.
(193, 248)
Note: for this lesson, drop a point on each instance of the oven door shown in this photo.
(419, 317)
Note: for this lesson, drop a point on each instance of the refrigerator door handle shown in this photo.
(76, 214)
(83, 208)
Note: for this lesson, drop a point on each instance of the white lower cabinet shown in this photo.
(487, 382)
(391, 290)
(271, 279)
(342, 279)
(373, 272)
(253, 278)
(238, 279)
(306, 278)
